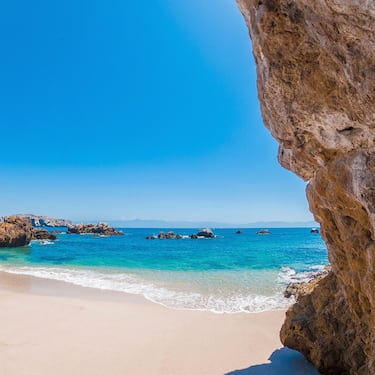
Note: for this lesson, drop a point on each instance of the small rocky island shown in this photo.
(263, 232)
(204, 233)
(101, 229)
(43, 234)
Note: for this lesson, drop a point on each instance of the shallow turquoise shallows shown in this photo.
(229, 273)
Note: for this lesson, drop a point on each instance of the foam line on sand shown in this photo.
(50, 327)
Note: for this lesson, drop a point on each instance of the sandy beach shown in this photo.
(50, 327)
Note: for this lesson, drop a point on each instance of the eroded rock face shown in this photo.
(301, 288)
(101, 229)
(316, 82)
(15, 232)
(43, 234)
(45, 221)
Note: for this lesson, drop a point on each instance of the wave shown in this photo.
(166, 296)
(288, 275)
(42, 242)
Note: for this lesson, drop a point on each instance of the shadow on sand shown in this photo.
(283, 362)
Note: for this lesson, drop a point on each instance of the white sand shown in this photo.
(53, 328)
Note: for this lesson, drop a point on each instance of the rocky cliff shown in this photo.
(15, 231)
(45, 221)
(316, 83)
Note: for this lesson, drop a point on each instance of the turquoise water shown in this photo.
(229, 273)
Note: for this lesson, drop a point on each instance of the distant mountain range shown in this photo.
(138, 223)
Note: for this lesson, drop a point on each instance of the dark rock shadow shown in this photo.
(283, 362)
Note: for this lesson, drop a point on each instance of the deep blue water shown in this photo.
(229, 273)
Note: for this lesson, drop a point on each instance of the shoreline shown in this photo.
(40, 283)
(54, 327)
(231, 274)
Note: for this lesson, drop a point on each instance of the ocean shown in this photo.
(227, 274)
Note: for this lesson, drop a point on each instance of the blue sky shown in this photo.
(124, 110)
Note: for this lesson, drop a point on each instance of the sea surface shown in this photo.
(227, 274)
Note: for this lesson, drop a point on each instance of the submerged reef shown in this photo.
(316, 85)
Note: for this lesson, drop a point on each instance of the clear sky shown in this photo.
(130, 109)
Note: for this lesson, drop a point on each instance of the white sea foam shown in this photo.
(168, 296)
(46, 242)
(288, 274)
(42, 242)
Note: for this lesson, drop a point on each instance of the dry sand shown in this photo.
(53, 328)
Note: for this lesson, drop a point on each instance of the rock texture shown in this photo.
(316, 83)
(101, 229)
(15, 232)
(168, 235)
(43, 234)
(299, 289)
(206, 232)
(45, 221)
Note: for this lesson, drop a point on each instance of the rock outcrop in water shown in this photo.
(207, 233)
(102, 229)
(204, 233)
(43, 234)
(300, 288)
(316, 83)
(15, 232)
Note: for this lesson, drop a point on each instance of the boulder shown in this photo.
(102, 229)
(168, 235)
(298, 289)
(208, 233)
(151, 237)
(263, 232)
(15, 231)
(43, 234)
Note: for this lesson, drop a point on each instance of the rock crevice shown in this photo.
(316, 84)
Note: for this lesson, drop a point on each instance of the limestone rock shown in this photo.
(168, 235)
(43, 234)
(316, 84)
(100, 229)
(298, 289)
(208, 233)
(45, 221)
(15, 232)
